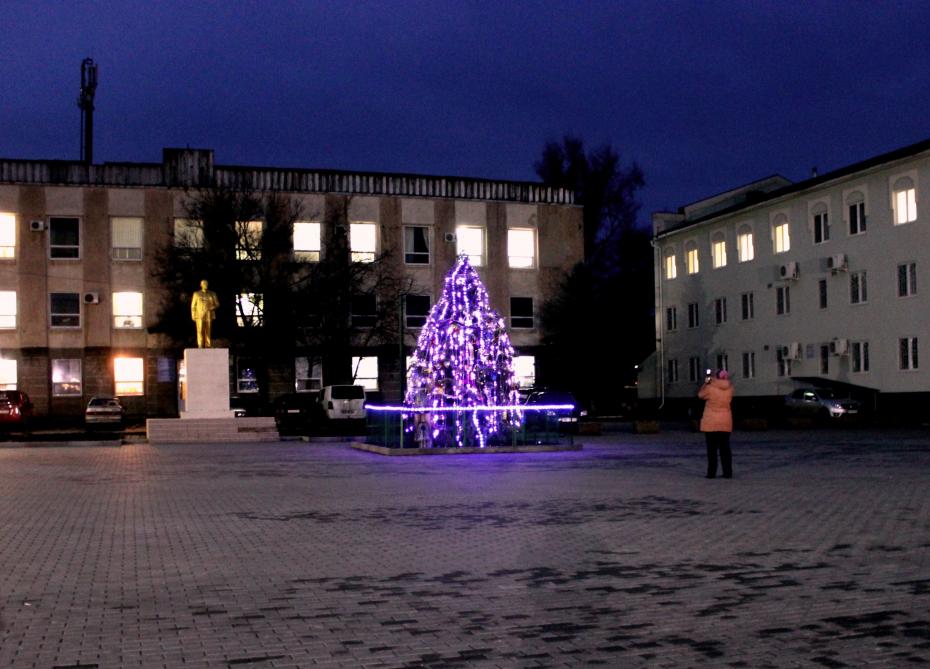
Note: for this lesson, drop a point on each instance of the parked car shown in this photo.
(823, 403)
(548, 419)
(103, 412)
(343, 402)
(295, 412)
(15, 409)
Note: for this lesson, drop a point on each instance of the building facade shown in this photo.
(79, 243)
(810, 283)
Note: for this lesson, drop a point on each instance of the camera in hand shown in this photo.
(707, 375)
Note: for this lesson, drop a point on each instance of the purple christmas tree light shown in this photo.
(463, 359)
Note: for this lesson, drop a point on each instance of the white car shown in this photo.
(343, 402)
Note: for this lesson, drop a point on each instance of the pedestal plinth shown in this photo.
(206, 392)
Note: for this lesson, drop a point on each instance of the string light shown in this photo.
(462, 366)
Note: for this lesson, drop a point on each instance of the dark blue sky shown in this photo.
(703, 95)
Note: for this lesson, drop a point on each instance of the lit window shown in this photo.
(691, 253)
(64, 237)
(249, 310)
(364, 311)
(248, 240)
(365, 371)
(363, 239)
(782, 235)
(719, 251)
(821, 225)
(744, 244)
(7, 236)
(66, 377)
(307, 241)
(416, 245)
(129, 376)
(7, 374)
(416, 310)
(671, 265)
(905, 201)
(7, 309)
(188, 234)
(907, 347)
(127, 310)
(855, 204)
(126, 238)
(524, 370)
(521, 247)
(65, 310)
(470, 242)
(246, 377)
(308, 374)
(521, 312)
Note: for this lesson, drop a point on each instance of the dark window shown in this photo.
(782, 300)
(720, 310)
(671, 318)
(348, 393)
(857, 218)
(748, 305)
(693, 315)
(824, 359)
(521, 312)
(364, 311)
(821, 228)
(65, 310)
(416, 308)
(416, 245)
(858, 288)
(907, 279)
(64, 237)
(822, 287)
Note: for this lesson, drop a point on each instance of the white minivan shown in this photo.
(343, 402)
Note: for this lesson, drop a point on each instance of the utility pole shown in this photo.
(86, 104)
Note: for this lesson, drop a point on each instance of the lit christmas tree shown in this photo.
(463, 359)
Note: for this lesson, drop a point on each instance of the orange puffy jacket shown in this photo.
(717, 396)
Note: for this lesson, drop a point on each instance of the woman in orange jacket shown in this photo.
(717, 422)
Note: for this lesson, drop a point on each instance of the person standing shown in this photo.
(717, 422)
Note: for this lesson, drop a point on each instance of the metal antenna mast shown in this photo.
(86, 104)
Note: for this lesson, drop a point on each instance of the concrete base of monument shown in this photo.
(537, 448)
(206, 384)
(211, 430)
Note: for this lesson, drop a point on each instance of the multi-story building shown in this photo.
(79, 243)
(815, 282)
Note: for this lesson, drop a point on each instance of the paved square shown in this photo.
(301, 555)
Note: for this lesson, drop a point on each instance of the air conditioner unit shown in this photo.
(92, 298)
(788, 271)
(839, 346)
(837, 263)
(37, 226)
(449, 237)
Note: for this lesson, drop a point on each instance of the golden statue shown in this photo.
(203, 304)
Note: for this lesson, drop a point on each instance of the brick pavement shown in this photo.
(622, 555)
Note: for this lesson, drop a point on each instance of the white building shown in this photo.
(784, 284)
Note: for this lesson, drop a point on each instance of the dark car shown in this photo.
(15, 409)
(822, 403)
(551, 418)
(103, 411)
(296, 412)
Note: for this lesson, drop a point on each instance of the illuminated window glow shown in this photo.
(671, 265)
(470, 242)
(127, 310)
(246, 377)
(744, 246)
(8, 375)
(693, 261)
(66, 377)
(365, 371)
(363, 241)
(521, 247)
(307, 241)
(7, 309)
(782, 237)
(248, 240)
(129, 376)
(7, 236)
(524, 370)
(249, 308)
(905, 201)
(719, 252)
(126, 238)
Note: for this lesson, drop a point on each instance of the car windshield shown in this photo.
(551, 397)
(348, 393)
(7, 397)
(830, 395)
(104, 402)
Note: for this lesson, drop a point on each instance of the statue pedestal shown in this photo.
(206, 385)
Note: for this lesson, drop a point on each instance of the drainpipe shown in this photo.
(660, 324)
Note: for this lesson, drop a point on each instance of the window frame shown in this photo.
(519, 320)
(8, 320)
(859, 357)
(52, 314)
(358, 361)
(671, 264)
(858, 287)
(718, 250)
(51, 233)
(255, 318)
(692, 258)
(118, 380)
(855, 200)
(904, 192)
(410, 242)
(307, 254)
(820, 223)
(745, 252)
(115, 250)
(748, 364)
(516, 231)
(908, 354)
(694, 315)
(459, 251)
(418, 319)
(7, 251)
(782, 300)
(365, 255)
(781, 234)
(57, 390)
(748, 306)
(136, 319)
(311, 382)
(720, 310)
(363, 320)
(907, 287)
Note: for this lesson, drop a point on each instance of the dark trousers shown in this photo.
(719, 442)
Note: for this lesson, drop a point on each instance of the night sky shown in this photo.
(705, 96)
